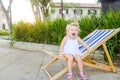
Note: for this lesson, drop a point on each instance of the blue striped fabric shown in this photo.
(94, 38)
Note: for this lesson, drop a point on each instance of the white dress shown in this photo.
(71, 47)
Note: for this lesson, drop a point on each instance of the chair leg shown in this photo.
(59, 74)
(108, 56)
(50, 63)
(63, 71)
(47, 65)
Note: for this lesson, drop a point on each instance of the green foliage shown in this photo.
(50, 32)
(57, 30)
(111, 21)
(22, 31)
(3, 33)
(87, 25)
(39, 32)
(54, 31)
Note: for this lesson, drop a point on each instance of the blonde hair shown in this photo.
(71, 25)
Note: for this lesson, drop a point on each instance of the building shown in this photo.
(3, 21)
(75, 10)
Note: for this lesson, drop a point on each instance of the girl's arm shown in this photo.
(84, 44)
(62, 45)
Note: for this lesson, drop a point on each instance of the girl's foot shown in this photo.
(69, 76)
(83, 76)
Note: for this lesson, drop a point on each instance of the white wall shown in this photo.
(3, 20)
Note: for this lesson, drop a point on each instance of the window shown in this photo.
(65, 11)
(78, 11)
(75, 11)
(92, 12)
(59, 11)
(81, 11)
(3, 26)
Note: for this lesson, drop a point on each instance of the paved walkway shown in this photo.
(19, 64)
(16, 64)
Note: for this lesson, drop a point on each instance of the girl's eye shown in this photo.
(71, 29)
(76, 30)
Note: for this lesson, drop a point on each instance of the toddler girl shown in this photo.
(69, 49)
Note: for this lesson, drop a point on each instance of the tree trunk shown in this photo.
(43, 12)
(62, 16)
(7, 14)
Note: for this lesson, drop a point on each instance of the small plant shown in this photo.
(12, 42)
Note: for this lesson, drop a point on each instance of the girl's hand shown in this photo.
(89, 50)
(60, 54)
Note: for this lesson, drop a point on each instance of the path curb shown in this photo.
(28, 46)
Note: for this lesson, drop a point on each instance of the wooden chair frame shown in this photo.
(90, 63)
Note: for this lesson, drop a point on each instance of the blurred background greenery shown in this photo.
(52, 32)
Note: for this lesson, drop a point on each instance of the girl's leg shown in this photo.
(69, 65)
(78, 59)
(69, 62)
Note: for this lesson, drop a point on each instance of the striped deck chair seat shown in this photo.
(95, 39)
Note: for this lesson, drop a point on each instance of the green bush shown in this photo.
(87, 25)
(111, 21)
(57, 30)
(22, 31)
(39, 32)
(50, 32)
(3, 33)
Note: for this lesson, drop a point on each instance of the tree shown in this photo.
(40, 8)
(62, 9)
(7, 13)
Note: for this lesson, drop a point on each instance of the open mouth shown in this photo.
(73, 34)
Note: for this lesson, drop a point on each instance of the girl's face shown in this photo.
(72, 32)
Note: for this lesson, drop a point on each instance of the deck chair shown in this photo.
(95, 39)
